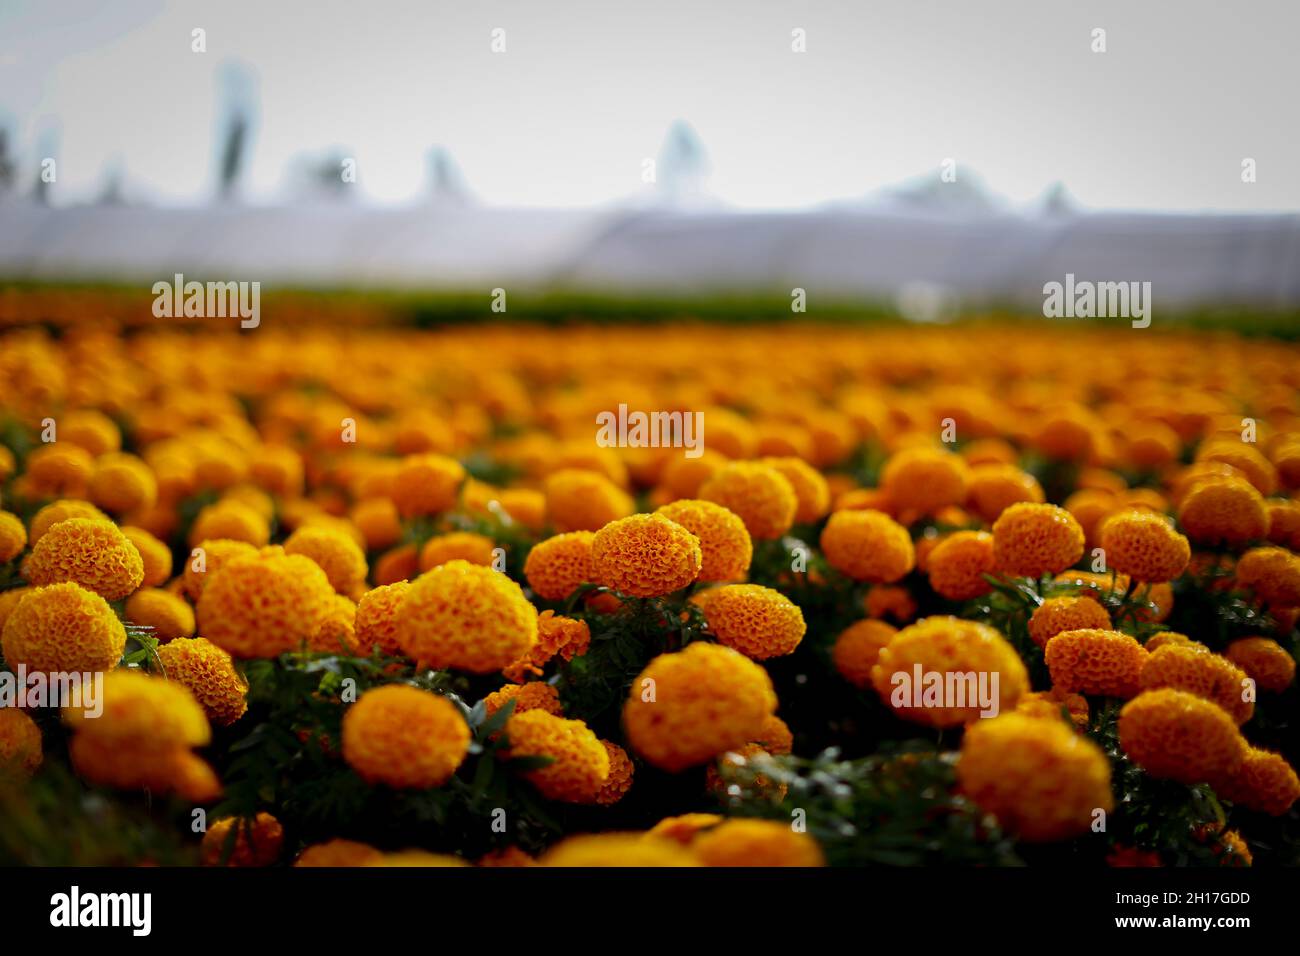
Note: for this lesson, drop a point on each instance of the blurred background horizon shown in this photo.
(926, 152)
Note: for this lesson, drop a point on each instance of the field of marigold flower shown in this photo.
(376, 596)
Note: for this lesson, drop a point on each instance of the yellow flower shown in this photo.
(1066, 613)
(858, 648)
(404, 737)
(687, 707)
(342, 560)
(63, 627)
(8, 601)
(762, 497)
(1176, 735)
(950, 648)
(924, 480)
(1030, 540)
(1162, 638)
(337, 632)
(141, 763)
(122, 482)
(757, 621)
(619, 781)
(645, 556)
(1267, 661)
(1206, 675)
(277, 469)
(1095, 661)
(57, 511)
(167, 615)
(1273, 574)
(231, 520)
(13, 536)
(812, 494)
(1053, 704)
(556, 567)
(957, 565)
(996, 486)
(1227, 511)
(1265, 783)
(208, 558)
(579, 764)
(155, 556)
(1040, 779)
(257, 842)
(92, 430)
(20, 742)
(743, 842)
(210, 674)
(338, 853)
(463, 545)
(427, 484)
(867, 546)
(578, 500)
(725, 545)
(1144, 546)
(535, 695)
(617, 849)
(89, 552)
(264, 605)
(139, 706)
(59, 470)
(378, 521)
(466, 617)
(376, 619)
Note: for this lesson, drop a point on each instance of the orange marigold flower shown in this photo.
(210, 674)
(1055, 703)
(144, 764)
(378, 521)
(776, 737)
(1227, 511)
(90, 552)
(725, 546)
(1259, 471)
(277, 469)
(257, 842)
(949, 650)
(232, 520)
(1030, 540)
(342, 560)
(463, 545)
(858, 647)
(57, 511)
(762, 496)
(1095, 661)
(20, 742)
(1162, 638)
(994, 487)
(1059, 614)
(63, 627)
(742, 842)
(59, 470)
(535, 695)
(13, 536)
(867, 546)
(617, 849)
(155, 556)
(578, 500)
(1144, 546)
(645, 556)
(208, 558)
(139, 706)
(682, 476)
(1265, 782)
(566, 636)
(167, 615)
(893, 602)
(619, 781)
(556, 567)
(1205, 675)
(338, 853)
(923, 479)
(812, 493)
(376, 620)
(427, 484)
(397, 565)
(1041, 780)
(404, 737)
(337, 631)
(579, 761)
(264, 605)
(1273, 574)
(92, 430)
(1176, 735)
(686, 707)
(684, 829)
(122, 482)
(1284, 522)
(466, 617)
(958, 563)
(757, 621)
(1265, 660)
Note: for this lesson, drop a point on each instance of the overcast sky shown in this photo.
(587, 88)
